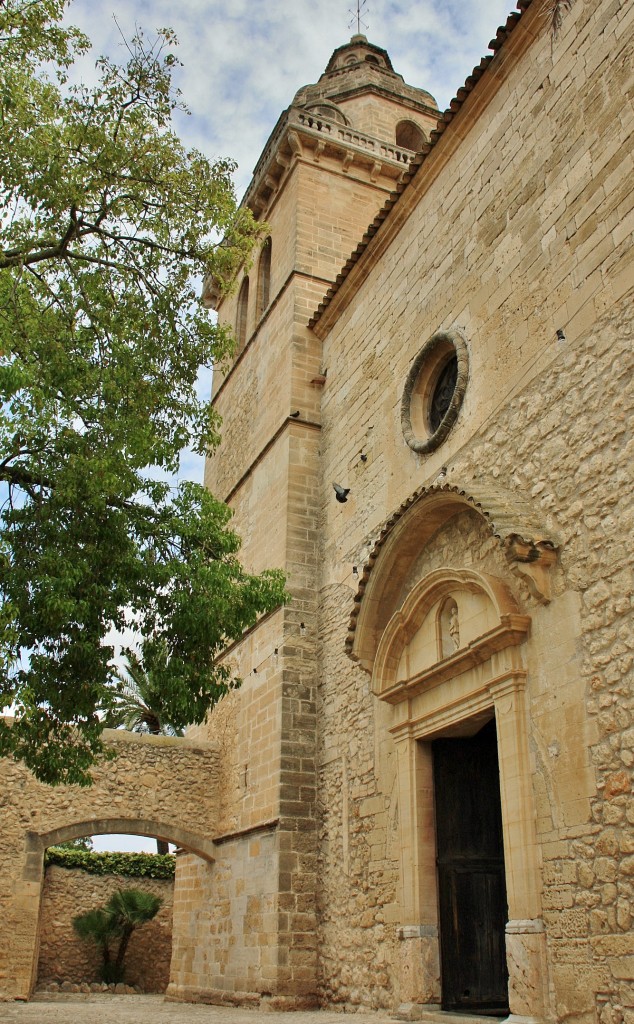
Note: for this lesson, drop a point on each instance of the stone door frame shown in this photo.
(505, 697)
(457, 696)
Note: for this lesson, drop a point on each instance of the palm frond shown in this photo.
(555, 10)
(132, 907)
(138, 706)
(98, 925)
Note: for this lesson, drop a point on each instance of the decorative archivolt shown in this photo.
(494, 623)
(530, 552)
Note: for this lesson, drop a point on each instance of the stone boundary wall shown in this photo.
(64, 957)
(155, 786)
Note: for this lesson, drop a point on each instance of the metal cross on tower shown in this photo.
(362, 8)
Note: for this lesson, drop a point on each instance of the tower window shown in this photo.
(409, 136)
(264, 278)
(241, 319)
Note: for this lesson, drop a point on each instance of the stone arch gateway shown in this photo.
(156, 786)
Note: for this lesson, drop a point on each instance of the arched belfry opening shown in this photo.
(445, 647)
(410, 136)
(242, 314)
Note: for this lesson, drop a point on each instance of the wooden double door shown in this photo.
(470, 867)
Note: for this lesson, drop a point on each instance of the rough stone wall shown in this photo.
(65, 957)
(527, 229)
(156, 786)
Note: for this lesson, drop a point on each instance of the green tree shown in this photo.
(82, 843)
(106, 225)
(99, 927)
(126, 910)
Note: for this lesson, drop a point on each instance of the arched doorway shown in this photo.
(80, 882)
(33, 874)
(444, 646)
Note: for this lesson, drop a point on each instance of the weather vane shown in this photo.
(362, 8)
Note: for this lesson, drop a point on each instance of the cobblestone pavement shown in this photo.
(103, 1009)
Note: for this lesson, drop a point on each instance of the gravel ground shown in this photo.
(112, 1009)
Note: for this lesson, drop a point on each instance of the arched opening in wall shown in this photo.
(448, 660)
(264, 278)
(85, 883)
(409, 136)
(242, 315)
(444, 646)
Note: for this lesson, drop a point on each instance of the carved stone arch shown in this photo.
(529, 549)
(439, 694)
(407, 620)
(168, 831)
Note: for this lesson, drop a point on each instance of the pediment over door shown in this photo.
(529, 552)
(451, 621)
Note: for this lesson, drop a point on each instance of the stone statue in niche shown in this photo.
(454, 627)
(448, 629)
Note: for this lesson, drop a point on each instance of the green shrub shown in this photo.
(132, 865)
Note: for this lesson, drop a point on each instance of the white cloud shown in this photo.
(243, 62)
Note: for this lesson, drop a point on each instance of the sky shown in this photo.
(243, 61)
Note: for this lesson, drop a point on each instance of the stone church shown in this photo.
(419, 800)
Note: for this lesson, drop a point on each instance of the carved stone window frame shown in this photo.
(422, 379)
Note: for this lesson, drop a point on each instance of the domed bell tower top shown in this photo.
(360, 88)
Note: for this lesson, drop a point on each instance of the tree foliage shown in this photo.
(106, 225)
(83, 844)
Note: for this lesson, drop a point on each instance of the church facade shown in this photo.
(427, 796)
(419, 799)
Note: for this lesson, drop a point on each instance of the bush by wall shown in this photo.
(132, 865)
(64, 957)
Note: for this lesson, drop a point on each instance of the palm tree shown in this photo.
(139, 708)
(101, 928)
(130, 908)
(126, 910)
(138, 703)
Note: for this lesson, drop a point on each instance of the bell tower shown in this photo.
(333, 159)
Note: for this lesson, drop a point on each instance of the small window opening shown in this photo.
(443, 393)
(409, 135)
(241, 319)
(264, 278)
